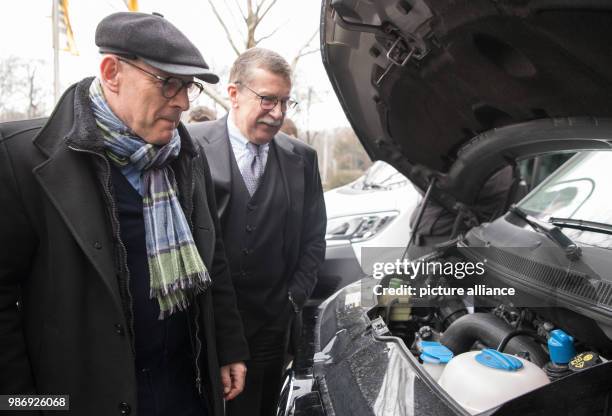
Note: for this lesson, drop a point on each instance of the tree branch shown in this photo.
(307, 43)
(237, 25)
(301, 52)
(295, 60)
(266, 11)
(225, 28)
(240, 9)
(308, 52)
(251, 25)
(268, 35)
(258, 6)
(216, 97)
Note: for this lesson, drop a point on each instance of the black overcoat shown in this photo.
(64, 315)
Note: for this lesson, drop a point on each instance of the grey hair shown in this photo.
(201, 113)
(259, 58)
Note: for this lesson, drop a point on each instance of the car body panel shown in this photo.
(381, 189)
(358, 198)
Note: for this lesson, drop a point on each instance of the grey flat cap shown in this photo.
(155, 40)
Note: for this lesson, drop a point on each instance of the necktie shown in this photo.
(251, 167)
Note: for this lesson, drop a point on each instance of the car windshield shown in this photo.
(578, 190)
(381, 175)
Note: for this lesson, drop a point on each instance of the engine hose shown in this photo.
(504, 342)
(491, 331)
(451, 309)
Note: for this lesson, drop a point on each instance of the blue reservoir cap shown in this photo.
(498, 360)
(423, 344)
(561, 347)
(435, 353)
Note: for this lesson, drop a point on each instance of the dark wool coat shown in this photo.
(65, 311)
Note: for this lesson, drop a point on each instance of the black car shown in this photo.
(514, 316)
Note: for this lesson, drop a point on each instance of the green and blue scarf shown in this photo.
(176, 269)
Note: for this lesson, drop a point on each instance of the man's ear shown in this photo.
(232, 92)
(109, 73)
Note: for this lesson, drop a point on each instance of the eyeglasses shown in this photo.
(268, 102)
(171, 86)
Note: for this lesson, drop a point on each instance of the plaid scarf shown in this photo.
(176, 269)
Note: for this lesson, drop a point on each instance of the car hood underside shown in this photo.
(420, 80)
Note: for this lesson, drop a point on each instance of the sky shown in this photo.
(26, 32)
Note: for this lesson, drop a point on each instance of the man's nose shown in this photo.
(277, 111)
(181, 100)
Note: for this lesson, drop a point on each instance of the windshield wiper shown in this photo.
(378, 184)
(571, 249)
(371, 185)
(597, 227)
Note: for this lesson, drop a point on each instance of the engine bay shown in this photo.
(487, 350)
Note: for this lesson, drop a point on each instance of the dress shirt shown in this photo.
(239, 144)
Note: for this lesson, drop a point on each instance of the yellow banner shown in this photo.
(65, 27)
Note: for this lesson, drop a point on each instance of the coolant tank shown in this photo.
(435, 356)
(481, 380)
(560, 347)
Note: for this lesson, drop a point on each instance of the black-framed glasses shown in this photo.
(171, 86)
(268, 102)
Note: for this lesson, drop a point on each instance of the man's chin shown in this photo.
(266, 134)
(160, 138)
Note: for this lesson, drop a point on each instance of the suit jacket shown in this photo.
(304, 233)
(64, 316)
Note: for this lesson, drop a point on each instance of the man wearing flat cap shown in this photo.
(114, 285)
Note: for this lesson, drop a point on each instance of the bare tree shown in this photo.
(23, 93)
(306, 99)
(306, 49)
(216, 96)
(34, 92)
(251, 17)
(240, 21)
(8, 78)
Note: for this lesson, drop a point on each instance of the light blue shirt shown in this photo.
(239, 143)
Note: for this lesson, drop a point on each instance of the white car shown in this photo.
(358, 216)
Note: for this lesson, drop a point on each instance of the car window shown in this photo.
(579, 190)
(381, 175)
(535, 169)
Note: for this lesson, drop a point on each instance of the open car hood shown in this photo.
(422, 80)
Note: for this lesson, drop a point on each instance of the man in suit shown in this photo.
(114, 285)
(272, 212)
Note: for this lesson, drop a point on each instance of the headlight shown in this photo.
(358, 227)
